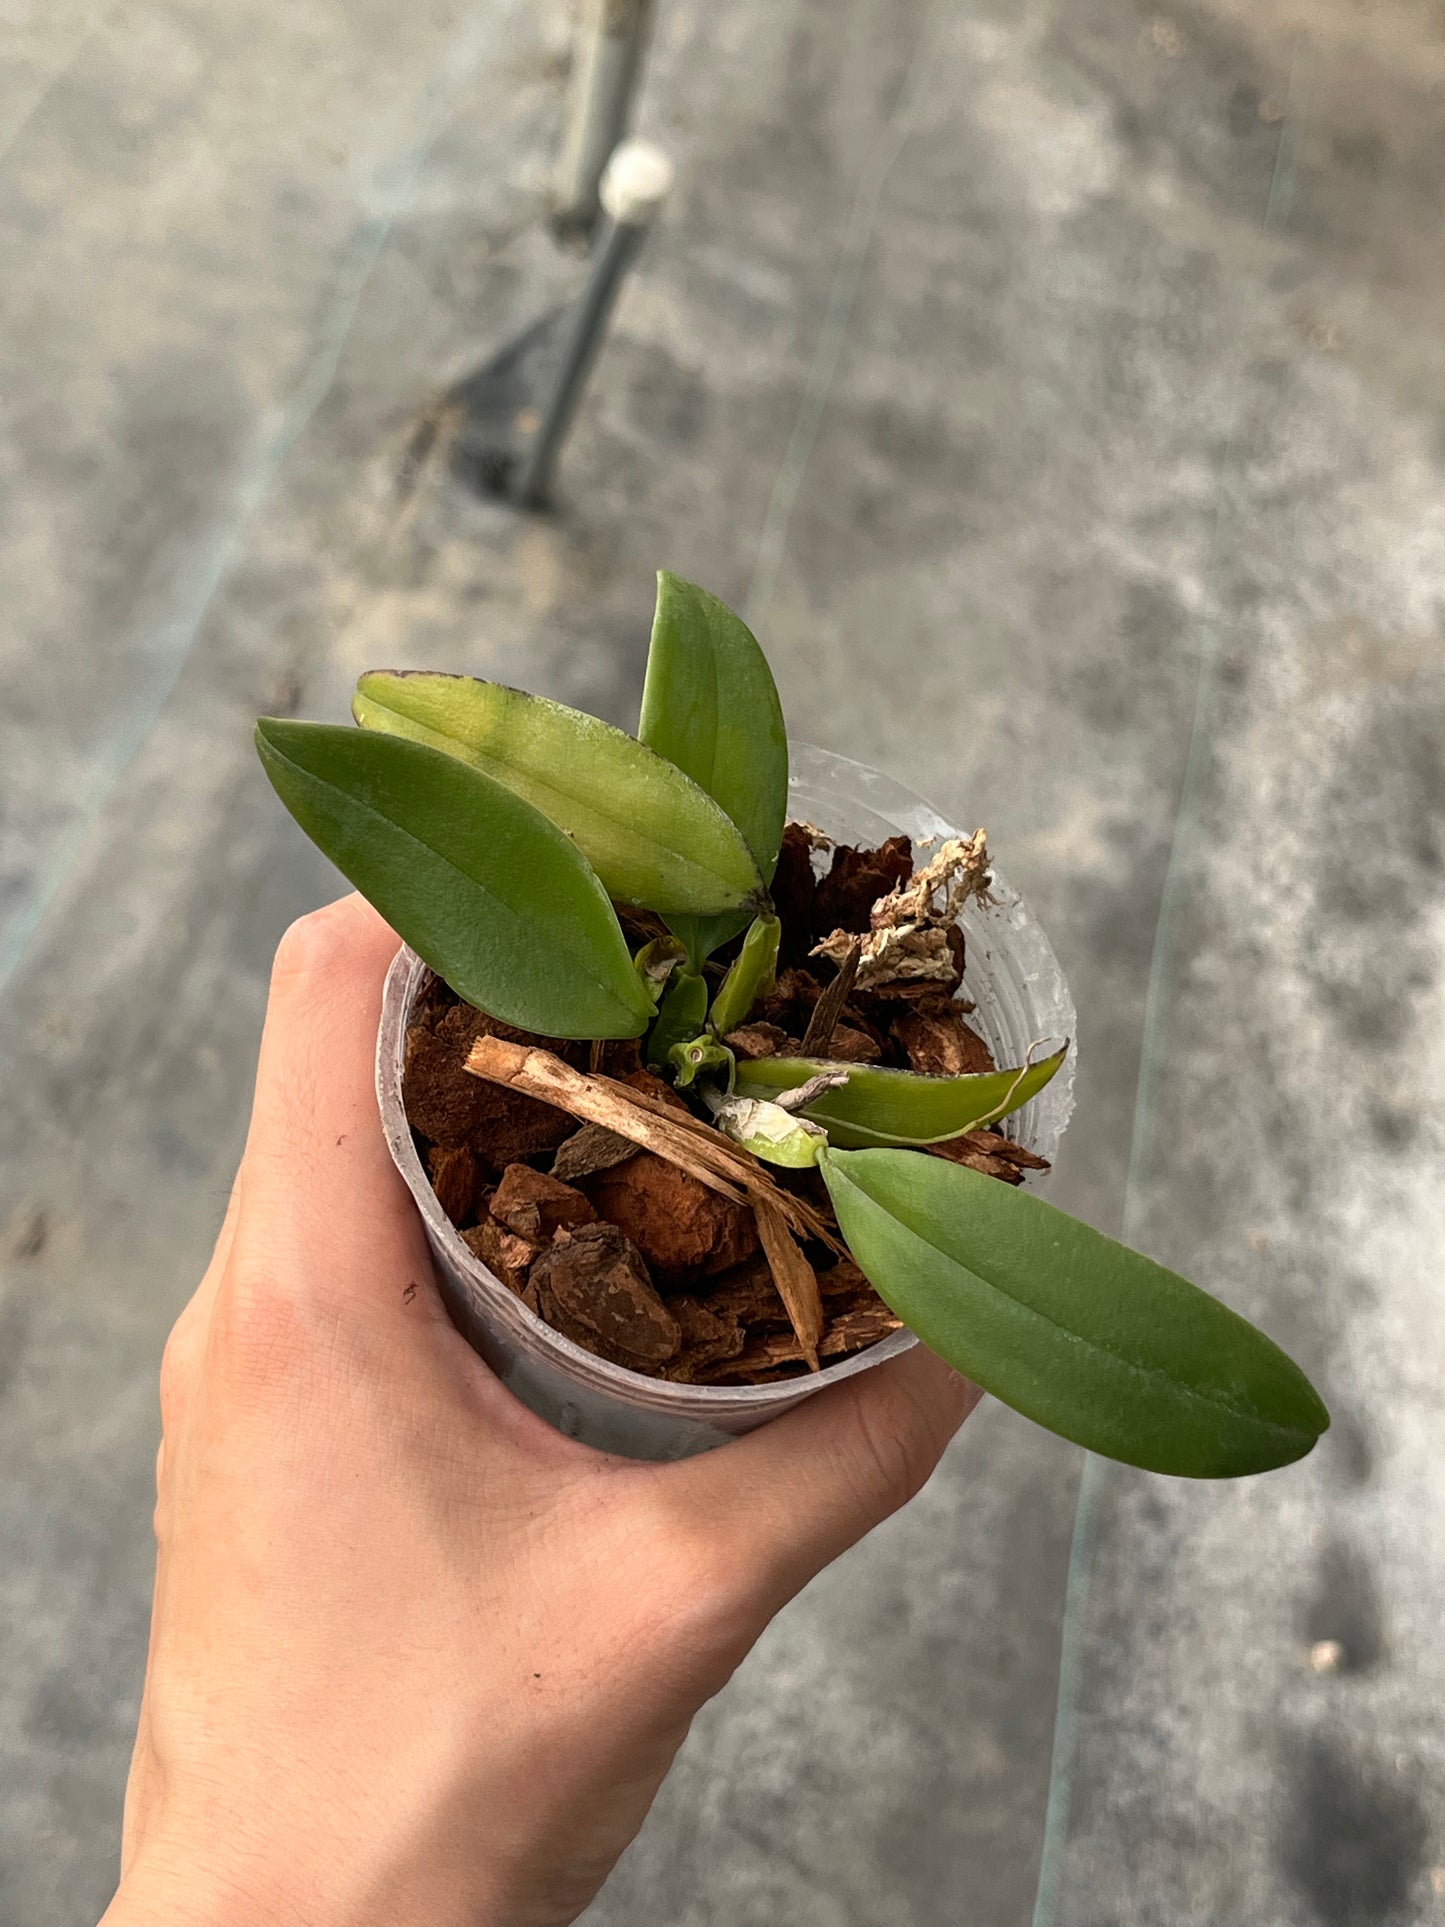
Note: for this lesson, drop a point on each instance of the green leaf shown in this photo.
(652, 835)
(750, 976)
(886, 1107)
(710, 706)
(1073, 1330)
(496, 899)
(679, 1016)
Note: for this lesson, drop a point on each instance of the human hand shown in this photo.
(415, 1657)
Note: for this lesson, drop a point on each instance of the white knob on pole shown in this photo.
(635, 182)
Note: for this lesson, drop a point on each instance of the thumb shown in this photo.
(788, 1499)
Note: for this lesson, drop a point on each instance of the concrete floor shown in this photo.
(1060, 390)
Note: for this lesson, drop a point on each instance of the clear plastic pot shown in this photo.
(1012, 976)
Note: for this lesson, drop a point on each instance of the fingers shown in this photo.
(788, 1499)
(323, 1204)
(315, 1088)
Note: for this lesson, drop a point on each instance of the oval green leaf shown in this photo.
(1070, 1328)
(498, 900)
(749, 977)
(710, 706)
(652, 835)
(879, 1107)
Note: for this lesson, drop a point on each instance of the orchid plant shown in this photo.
(497, 832)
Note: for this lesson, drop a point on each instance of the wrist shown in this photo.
(152, 1894)
(149, 1896)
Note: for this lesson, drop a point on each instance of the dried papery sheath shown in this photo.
(909, 938)
(768, 1131)
(816, 1087)
(656, 961)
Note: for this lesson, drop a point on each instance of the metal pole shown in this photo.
(634, 186)
(610, 44)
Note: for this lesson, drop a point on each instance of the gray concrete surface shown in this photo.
(1060, 389)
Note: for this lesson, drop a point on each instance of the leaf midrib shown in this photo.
(1150, 1374)
(538, 932)
(481, 758)
(712, 729)
(691, 868)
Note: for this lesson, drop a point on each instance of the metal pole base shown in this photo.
(516, 410)
(495, 409)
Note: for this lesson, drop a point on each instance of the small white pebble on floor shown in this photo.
(1327, 1656)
